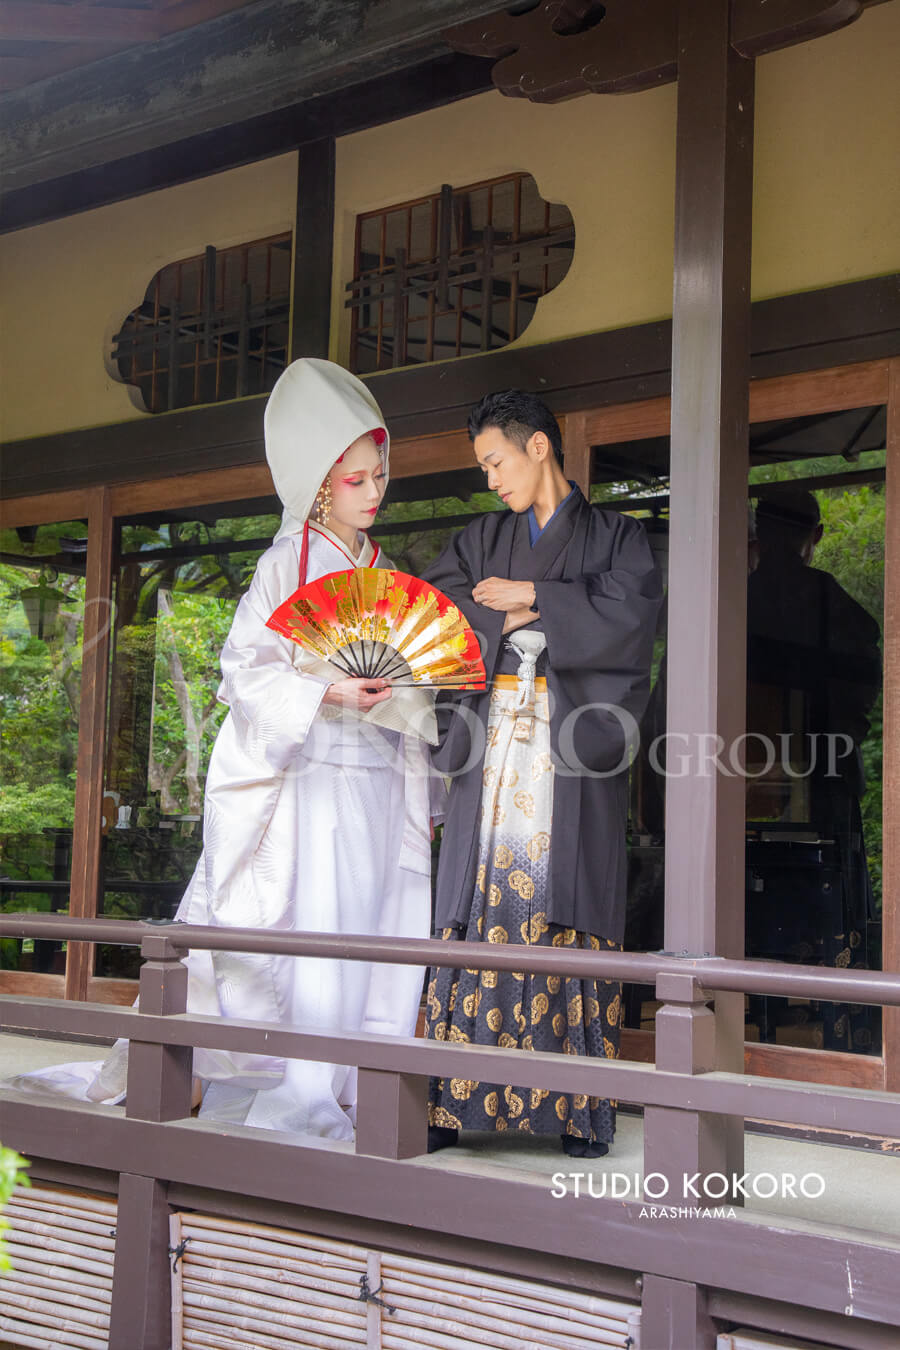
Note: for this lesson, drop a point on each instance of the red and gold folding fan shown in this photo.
(375, 623)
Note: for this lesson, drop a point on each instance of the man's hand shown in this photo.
(496, 593)
(519, 618)
(357, 694)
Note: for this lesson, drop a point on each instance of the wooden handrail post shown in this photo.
(685, 1026)
(159, 1076)
(391, 1116)
(141, 1307)
(673, 1309)
(679, 1143)
(158, 1089)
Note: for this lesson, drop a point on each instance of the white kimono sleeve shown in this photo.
(272, 702)
(273, 705)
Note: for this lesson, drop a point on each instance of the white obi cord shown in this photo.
(529, 645)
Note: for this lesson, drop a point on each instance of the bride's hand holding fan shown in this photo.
(356, 694)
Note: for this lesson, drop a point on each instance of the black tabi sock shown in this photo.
(573, 1147)
(441, 1136)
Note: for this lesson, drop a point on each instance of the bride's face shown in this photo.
(358, 482)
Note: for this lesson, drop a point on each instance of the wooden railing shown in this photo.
(157, 1144)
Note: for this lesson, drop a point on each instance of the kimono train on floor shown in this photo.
(314, 819)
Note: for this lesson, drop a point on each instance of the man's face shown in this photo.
(513, 473)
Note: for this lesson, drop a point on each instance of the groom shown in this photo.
(564, 596)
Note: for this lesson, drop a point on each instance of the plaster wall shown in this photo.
(826, 193)
(66, 286)
(827, 202)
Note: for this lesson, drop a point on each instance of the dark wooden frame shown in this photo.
(443, 276)
(190, 335)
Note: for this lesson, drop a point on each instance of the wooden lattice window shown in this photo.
(456, 272)
(210, 328)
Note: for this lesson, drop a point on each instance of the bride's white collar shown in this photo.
(367, 551)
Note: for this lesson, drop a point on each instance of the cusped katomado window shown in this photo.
(453, 273)
(211, 327)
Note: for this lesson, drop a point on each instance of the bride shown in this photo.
(318, 799)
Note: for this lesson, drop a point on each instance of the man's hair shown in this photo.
(518, 415)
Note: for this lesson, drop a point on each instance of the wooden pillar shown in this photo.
(91, 736)
(158, 1088)
(677, 1142)
(577, 454)
(708, 520)
(313, 250)
(708, 505)
(159, 1076)
(891, 772)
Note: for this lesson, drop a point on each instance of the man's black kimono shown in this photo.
(598, 593)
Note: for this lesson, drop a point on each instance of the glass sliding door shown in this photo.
(819, 678)
(178, 576)
(42, 611)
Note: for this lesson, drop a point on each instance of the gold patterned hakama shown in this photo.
(511, 1010)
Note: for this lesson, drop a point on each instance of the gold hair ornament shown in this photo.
(322, 505)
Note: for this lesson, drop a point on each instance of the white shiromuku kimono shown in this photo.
(332, 836)
(315, 820)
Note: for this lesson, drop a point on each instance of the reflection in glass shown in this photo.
(815, 603)
(41, 622)
(813, 753)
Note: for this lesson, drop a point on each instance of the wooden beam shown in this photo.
(837, 1067)
(820, 391)
(44, 508)
(442, 453)
(193, 489)
(62, 57)
(179, 14)
(270, 55)
(546, 53)
(18, 70)
(373, 102)
(801, 395)
(38, 984)
(24, 21)
(313, 249)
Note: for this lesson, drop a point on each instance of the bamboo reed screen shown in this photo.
(242, 1286)
(746, 1339)
(58, 1292)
